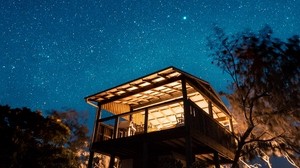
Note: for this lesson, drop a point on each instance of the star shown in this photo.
(184, 17)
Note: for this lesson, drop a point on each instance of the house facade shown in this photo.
(169, 113)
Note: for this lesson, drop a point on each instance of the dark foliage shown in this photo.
(78, 131)
(30, 140)
(264, 97)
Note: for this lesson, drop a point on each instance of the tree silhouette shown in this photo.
(264, 91)
(78, 140)
(30, 140)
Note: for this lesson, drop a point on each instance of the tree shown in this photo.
(30, 140)
(78, 140)
(264, 91)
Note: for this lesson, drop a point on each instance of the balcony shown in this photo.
(165, 128)
(166, 112)
(141, 121)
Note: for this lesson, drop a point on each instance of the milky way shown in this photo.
(53, 53)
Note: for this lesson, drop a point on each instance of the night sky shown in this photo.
(53, 53)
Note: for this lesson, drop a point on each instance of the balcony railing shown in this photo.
(205, 125)
(199, 122)
(119, 126)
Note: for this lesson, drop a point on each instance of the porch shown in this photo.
(207, 134)
(167, 112)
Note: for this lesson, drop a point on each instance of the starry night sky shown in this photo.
(53, 53)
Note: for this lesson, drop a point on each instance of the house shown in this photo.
(167, 113)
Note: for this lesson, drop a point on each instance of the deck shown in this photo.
(166, 113)
(207, 135)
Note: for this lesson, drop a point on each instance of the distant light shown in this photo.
(184, 18)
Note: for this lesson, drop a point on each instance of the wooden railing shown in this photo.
(108, 128)
(203, 123)
(198, 119)
(104, 132)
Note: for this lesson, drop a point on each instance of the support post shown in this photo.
(130, 116)
(112, 161)
(210, 108)
(116, 128)
(145, 154)
(190, 158)
(185, 103)
(231, 125)
(146, 121)
(96, 124)
(94, 136)
(216, 159)
(91, 158)
(144, 159)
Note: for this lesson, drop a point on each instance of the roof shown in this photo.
(158, 86)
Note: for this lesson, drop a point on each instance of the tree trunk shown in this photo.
(241, 144)
(237, 156)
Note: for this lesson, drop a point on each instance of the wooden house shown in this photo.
(167, 113)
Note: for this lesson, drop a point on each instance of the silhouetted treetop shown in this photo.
(264, 92)
(28, 139)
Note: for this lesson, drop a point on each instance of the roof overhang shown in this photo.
(160, 86)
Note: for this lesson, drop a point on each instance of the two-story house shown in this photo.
(167, 113)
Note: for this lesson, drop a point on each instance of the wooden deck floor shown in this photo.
(161, 142)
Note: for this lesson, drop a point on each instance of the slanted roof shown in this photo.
(156, 87)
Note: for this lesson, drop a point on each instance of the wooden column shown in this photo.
(230, 124)
(185, 104)
(116, 128)
(216, 159)
(146, 121)
(189, 156)
(91, 158)
(94, 136)
(115, 136)
(144, 160)
(96, 123)
(145, 154)
(130, 116)
(210, 108)
(112, 161)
